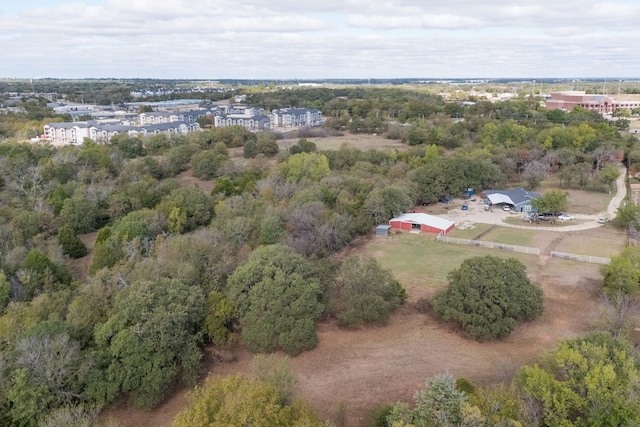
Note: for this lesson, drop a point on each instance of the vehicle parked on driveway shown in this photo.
(565, 217)
(603, 220)
(506, 208)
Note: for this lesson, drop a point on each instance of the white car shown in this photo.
(506, 208)
(565, 217)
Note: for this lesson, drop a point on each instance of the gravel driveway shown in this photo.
(476, 213)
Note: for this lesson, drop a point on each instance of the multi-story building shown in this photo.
(605, 104)
(252, 118)
(295, 117)
(75, 133)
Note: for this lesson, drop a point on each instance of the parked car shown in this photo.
(565, 217)
(506, 208)
(603, 220)
(444, 199)
(550, 214)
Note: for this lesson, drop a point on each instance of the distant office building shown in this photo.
(605, 104)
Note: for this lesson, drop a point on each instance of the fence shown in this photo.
(492, 245)
(580, 258)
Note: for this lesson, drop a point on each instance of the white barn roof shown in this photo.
(496, 198)
(425, 219)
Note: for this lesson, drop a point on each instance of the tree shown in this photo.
(150, 341)
(220, 315)
(306, 167)
(192, 202)
(552, 201)
(364, 293)
(70, 242)
(250, 149)
(608, 175)
(487, 296)
(440, 404)
(628, 214)
(237, 401)
(623, 273)
(591, 381)
(266, 144)
(388, 202)
(205, 164)
(534, 172)
(277, 297)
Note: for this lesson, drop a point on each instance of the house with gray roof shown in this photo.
(518, 199)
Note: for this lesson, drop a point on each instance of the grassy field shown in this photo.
(590, 243)
(361, 142)
(420, 261)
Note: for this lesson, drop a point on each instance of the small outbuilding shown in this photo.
(383, 230)
(422, 222)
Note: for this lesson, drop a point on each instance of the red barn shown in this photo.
(422, 222)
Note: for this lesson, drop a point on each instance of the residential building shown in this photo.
(517, 199)
(295, 117)
(249, 117)
(75, 133)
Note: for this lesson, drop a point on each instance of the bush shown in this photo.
(487, 296)
(365, 293)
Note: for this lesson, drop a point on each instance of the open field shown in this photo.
(361, 142)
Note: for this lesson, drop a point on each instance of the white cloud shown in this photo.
(329, 39)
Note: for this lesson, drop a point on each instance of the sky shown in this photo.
(322, 39)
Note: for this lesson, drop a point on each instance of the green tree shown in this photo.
(628, 214)
(306, 167)
(623, 273)
(486, 297)
(197, 206)
(70, 242)
(205, 164)
(236, 401)
(440, 404)
(28, 401)
(591, 381)
(150, 341)
(266, 144)
(250, 149)
(608, 175)
(551, 201)
(80, 213)
(385, 203)
(220, 315)
(277, 297)
(364, 293)
(177, 220)
(5, 289)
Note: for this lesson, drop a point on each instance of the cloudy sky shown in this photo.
(285, 39)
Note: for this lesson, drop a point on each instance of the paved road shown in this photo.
(477, 214)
